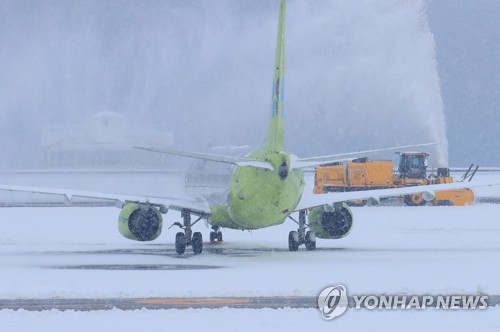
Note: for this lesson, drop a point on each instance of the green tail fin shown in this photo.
(274, 139)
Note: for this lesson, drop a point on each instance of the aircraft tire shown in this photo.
(180, 243)
(197, 243)
(293, 241)
(310, 241)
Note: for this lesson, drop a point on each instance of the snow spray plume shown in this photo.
(360, 74)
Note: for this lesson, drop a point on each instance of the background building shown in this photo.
(104, 140)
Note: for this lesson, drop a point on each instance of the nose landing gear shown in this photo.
(215, 235)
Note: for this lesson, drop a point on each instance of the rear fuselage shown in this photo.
(258, 198)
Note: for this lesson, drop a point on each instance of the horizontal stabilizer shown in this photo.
(240, 161)
(318, 161)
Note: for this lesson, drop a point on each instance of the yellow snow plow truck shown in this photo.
(363, 174)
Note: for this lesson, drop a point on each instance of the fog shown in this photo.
(360, 74)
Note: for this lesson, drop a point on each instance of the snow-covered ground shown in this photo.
(78, 252)
(250, 320)
(390, 249)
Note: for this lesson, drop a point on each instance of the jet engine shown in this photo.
(331, 223)
(140, 222)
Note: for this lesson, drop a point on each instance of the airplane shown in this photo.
(265, 187)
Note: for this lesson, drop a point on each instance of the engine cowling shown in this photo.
(333, 224)
(140, 223)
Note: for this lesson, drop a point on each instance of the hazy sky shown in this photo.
(360, 74)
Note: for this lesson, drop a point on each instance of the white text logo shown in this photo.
(332, 301)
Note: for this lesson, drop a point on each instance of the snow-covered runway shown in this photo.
(78, 253)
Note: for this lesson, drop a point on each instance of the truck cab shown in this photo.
(413, 165)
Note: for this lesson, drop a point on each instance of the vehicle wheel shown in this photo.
(197, 243)
(445, 203)
(310, 241)
(357, 203)
(219, 236)
(414, 200)
(293, 241)
(180, 243)
(213, 236)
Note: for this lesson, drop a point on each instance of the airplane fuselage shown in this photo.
(258, 197)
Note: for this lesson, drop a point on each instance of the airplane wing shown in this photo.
(240, 161)
(312, 200)
(196, 205)
(317, 161)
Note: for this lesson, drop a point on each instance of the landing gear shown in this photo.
(182, 240)
(296, 238)
(215, 235)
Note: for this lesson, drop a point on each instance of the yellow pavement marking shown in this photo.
(192, 301)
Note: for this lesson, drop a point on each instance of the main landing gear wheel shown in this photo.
(197, 243)
(296, 238)
(310, 241)
(293, 241)
(180, 243)
(182, 240)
